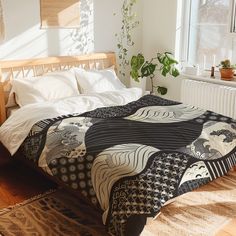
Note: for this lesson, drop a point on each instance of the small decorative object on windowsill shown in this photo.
(140, 68)
(213, 72)
(227, 70)
(192, 70)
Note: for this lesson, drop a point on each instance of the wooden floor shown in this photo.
(18, 183)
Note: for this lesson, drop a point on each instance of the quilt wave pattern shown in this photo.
(130, 160)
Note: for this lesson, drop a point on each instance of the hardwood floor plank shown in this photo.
(18, 182)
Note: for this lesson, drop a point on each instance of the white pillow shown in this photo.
(97, 81)
(49, 87)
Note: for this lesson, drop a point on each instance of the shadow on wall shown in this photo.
(83, 37)
(25, 39)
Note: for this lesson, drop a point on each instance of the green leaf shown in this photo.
(134, 74)
(175, 72)
(162, 90)
(160, 58)
(148, 69)
(172, 61)
(165, 70)
(137, 61)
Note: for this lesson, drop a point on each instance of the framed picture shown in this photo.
(60, 14)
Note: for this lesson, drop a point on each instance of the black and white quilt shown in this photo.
(130, 160)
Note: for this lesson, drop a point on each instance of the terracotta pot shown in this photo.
(227, 73)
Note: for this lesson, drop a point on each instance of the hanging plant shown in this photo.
(124, 38)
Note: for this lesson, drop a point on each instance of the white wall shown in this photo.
(159, 35)
(96, 33)
(25, 39)
(108, 23)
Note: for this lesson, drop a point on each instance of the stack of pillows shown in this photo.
(61, 84)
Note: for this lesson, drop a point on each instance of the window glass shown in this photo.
(209, 37)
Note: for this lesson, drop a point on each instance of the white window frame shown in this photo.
(185, 31)
(233, 17)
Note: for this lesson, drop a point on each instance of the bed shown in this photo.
(127, 154)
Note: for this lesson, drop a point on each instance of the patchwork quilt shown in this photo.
(130, 160)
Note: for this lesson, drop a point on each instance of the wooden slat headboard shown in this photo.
(36, 67)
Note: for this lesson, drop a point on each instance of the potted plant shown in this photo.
(226, 70)
(142, 69)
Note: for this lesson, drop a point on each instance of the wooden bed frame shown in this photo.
(35, 67)
(21, 69)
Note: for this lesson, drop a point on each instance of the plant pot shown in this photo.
(227, 73)
(141, 84)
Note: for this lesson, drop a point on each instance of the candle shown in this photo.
(204, 62)
(214, 60)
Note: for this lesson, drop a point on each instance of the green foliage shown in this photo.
(226, 64)
(165, 63)
(168, 64)
(162, 90)
(136, 64)
(124, 38)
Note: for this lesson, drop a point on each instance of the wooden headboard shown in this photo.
(36, 67)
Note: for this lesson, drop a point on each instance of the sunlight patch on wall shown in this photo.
(24, 45)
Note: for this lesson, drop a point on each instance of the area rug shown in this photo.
(55, 213)
(208, 211)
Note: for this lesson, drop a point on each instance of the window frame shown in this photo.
(233, 17)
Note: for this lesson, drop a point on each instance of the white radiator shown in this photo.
(214, 97)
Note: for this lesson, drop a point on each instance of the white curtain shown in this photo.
(2, 26)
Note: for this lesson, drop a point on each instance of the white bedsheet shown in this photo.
(16, 128)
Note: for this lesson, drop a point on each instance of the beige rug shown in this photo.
(201, 213)
(52, 214)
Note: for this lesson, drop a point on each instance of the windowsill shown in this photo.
(207, 78)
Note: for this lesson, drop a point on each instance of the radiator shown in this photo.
(214, 97)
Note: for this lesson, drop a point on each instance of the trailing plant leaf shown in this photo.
(134, 74)
(124, 37)
(137, 61)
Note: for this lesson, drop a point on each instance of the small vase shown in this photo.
(227, 73)
(141, 84)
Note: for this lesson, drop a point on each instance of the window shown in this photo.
(209, 32)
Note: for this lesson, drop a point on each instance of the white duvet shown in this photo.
(16, 128)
